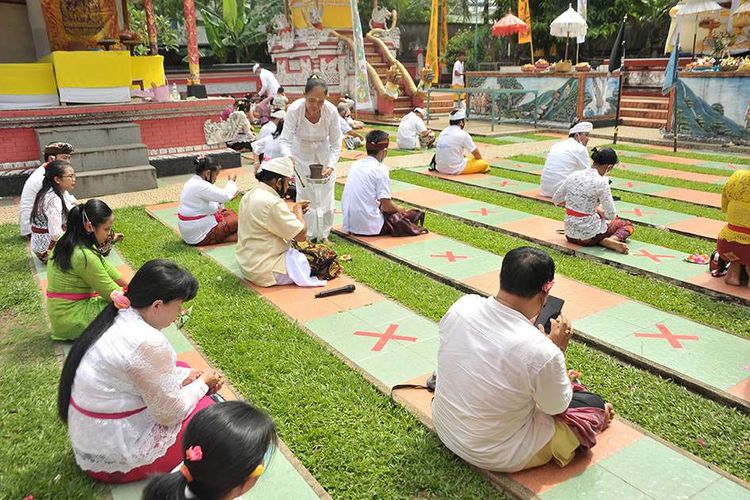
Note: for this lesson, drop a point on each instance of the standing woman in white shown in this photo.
(312, 136)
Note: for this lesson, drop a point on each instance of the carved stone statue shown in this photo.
(392, 81)
(426, 76)
(380, 17)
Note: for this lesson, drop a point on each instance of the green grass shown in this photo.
(662, 295)
(637, 176)
(630, 197)
(497, 141)
(35, 454)
(646, 234)
(352, 438)
(733, 158)
(675, 166)
(656, 404)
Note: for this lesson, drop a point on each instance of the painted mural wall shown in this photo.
(714, 107)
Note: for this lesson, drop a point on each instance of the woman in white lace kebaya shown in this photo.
(51, 206)
(590, 214)
(123, 396)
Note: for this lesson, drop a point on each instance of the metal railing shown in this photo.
(493, 93)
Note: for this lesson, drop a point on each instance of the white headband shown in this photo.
(582, 128)
(458, 115)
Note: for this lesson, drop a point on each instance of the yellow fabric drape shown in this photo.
(524, 13)
(86, 69)
(150, 69)
(27, 79)
(443, 29)
(432, 41)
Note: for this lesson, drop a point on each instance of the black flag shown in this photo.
(618, 49)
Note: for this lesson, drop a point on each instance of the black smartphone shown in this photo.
(550, 311)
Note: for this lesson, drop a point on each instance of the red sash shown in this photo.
(217, 215)
(573, 213)
(732, 227)
(73, 297)
(39, 230)
(106, 416)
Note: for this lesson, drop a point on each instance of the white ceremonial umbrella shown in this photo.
(696, 8)
(569, 24)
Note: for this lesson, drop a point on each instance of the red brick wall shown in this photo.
(18, 144)
(174, 132)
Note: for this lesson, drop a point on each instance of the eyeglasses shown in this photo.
(72, 176)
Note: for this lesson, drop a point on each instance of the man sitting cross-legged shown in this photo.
(504, 401)
(367, 204)
(451, 145)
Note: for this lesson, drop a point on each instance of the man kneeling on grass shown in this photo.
(504, 401)
(367, 204)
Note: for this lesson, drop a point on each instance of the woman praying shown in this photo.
(269, 147)
(586, 223)
(80, 281)
(202, 218)
(733, 242)
(312, 136)
(51, 206)
(124, 398)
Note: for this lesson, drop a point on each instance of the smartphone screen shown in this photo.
(551, 310)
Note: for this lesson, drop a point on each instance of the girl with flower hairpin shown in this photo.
(226, 448)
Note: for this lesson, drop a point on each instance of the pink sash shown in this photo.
(73, 297)
(106, 416)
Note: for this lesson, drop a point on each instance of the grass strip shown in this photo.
(675, 166)
(35, 454)
(630, 197)
(638, 176)
(646, 234)
(733, 158)
(658, 405)
(351, 437)
(664, 296)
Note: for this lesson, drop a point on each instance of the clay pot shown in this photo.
(316, 171)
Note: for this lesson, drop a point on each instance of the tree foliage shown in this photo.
(167, 36)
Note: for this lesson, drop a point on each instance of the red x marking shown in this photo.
(482, 211)
(505, 183)
(656, 258)
(384, 337)
(449, 255)
(668, 336)
(637, 211)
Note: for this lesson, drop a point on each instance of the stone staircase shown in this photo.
(109, 158)
(404, 103)
(644, 109)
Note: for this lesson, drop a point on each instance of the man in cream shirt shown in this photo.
(566, 157)
(413, 133)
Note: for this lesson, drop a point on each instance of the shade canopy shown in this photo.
(698, 7)
(569, 24)
(509, 25)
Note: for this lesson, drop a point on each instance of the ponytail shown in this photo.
(604, 156)
(94, 211)
(166, 487)
(155, 280)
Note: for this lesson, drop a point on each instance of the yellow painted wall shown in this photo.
(336, 13)
(17, 45)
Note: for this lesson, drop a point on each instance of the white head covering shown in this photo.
(279, 113)
(582, 128)
(255, 67)
(421, 111)
(282, 165)
(458, 115)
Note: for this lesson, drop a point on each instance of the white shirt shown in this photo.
(311, 142)
(564, 158)
(344, 125)
(270, 146)
(458, 67)
(409, 130)
(50, 216)
(267, 129)
(367, 183)
(31, 188)
(450, 147)
(269, 85)
(583, 191)
(131, 366)
(200, 197)
(499, 382)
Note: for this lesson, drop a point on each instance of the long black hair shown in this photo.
(279, 129)
(155, 280)
(53, 169)
(234, 438)
(94, 211)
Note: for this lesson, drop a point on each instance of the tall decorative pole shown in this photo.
(151, 26)
(191, 32)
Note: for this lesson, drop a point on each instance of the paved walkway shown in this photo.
(633, 186)
(703, 358)
(644, 258)
(678, 222)
(285, 477)
(390, 344)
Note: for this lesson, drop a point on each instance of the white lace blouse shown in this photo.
(131, 366)
(582, 192)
